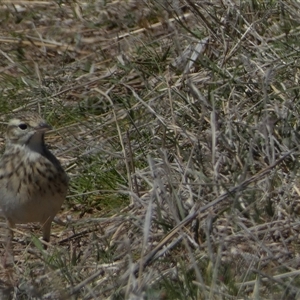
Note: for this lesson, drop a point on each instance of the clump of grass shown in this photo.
(178, 124)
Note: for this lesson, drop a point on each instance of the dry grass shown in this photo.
(178, 124)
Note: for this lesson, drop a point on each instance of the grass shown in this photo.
(178, 125)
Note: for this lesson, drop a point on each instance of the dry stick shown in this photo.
(152, 26)
(267, 277)
(44, 43)
(86, 281)
(147, 258)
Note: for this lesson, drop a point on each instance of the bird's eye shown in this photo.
(23, 126)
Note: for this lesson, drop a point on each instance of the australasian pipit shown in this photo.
(33, 184)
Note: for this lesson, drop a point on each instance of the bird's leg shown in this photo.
(9, 255)
(47, 231)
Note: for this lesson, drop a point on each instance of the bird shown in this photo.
(33, 184)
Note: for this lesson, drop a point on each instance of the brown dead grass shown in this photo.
(178, 124)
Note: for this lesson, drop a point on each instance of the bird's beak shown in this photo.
(43, 127)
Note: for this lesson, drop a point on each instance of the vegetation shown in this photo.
(178, 124)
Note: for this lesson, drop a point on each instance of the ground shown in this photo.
(177, 122)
